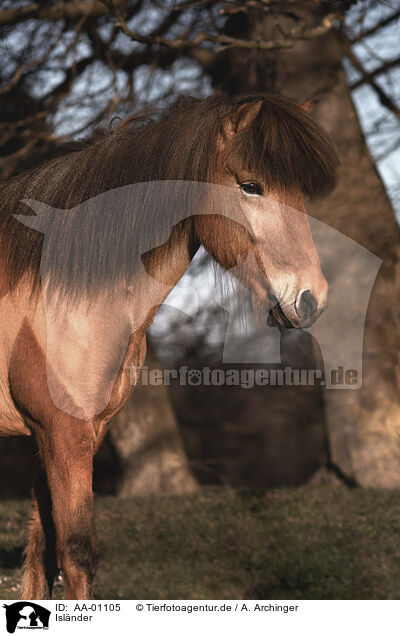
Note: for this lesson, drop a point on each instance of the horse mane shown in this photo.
(283, 143)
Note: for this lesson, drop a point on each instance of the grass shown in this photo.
(308, 543)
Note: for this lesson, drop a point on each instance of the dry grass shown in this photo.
(311, 543)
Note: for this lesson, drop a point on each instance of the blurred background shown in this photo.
(69, 66)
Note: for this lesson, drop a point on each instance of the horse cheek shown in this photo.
(227, 241)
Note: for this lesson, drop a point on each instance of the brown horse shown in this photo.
(122, 216)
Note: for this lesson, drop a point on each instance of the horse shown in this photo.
(230, 174)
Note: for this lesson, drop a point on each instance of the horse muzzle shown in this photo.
(301, 314)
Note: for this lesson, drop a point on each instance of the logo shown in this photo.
(26, 615)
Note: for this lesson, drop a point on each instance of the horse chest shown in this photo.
(83, 359)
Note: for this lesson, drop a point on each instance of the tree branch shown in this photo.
(228, 42)
(28, 66)
(72, 10)
(368, 78)
(375, 28)
(378, 71)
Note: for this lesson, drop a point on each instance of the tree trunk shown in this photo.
(363, 425)
(147, 442)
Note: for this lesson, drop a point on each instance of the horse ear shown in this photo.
(243, 117)
(309, 106)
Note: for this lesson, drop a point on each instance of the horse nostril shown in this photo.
(306, 305)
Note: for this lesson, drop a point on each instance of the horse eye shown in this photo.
(251, 187)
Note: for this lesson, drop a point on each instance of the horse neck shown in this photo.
(169, 261)
(163, 267)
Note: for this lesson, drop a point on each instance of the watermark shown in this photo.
(243, 378)
(108, 264)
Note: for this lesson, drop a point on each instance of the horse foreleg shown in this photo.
(40, 564)
(67, 450)
(66, 445)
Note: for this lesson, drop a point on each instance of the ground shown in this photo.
(307, 543)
